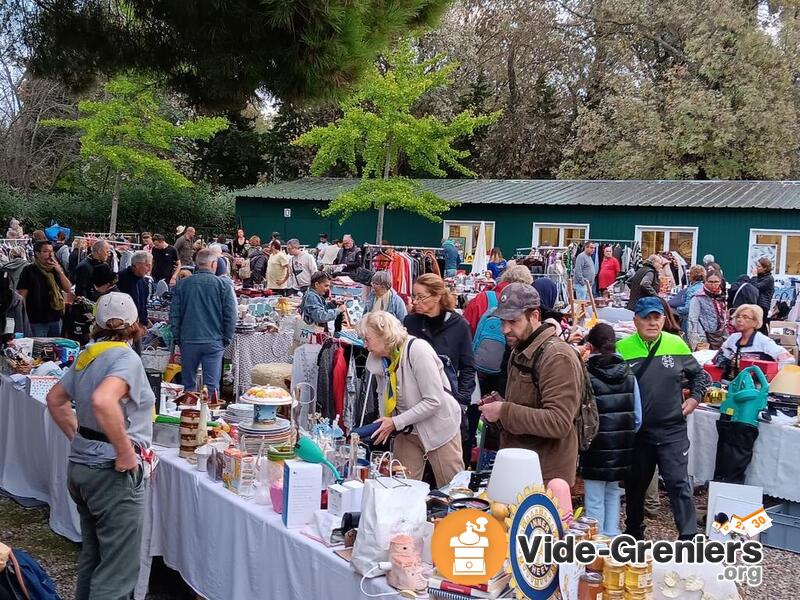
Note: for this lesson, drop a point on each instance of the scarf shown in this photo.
(93, 351)
(720, 307)
(390, 366)
(56, 299)
(382, 303)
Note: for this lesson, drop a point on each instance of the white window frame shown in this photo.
(561, 227)
(489, 243)
(667, 229)
(780, 268)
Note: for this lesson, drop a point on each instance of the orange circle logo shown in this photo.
(469, 547)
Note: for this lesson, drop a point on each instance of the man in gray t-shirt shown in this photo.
(583, 272)
(110, 426)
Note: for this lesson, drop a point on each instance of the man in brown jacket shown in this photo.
(545, 382)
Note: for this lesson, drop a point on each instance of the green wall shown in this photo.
(722, 232)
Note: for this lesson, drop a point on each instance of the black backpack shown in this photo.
(587, 420)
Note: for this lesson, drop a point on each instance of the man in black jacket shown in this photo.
(661, 362)
(349, 255)
(83, 273)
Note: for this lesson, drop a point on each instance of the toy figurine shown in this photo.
(407, 571)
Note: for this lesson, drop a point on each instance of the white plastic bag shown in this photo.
(388, 505)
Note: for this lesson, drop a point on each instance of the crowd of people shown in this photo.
(508, 359)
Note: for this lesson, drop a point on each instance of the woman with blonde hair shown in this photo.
(497, 264)
(749, 342)
(415, 399)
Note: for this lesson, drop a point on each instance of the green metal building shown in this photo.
(695, 218)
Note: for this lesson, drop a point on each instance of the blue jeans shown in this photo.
(581, 292)
(46, 330)
(207, 354)
(601, 500)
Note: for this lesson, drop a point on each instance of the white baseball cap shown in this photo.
(116, 305)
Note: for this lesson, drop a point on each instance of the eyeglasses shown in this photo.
(744, 318)
(417, 299)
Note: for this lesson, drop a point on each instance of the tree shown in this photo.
(128, 134)
(221, 53)
(379, 129)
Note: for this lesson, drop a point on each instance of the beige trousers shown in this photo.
(445, 461)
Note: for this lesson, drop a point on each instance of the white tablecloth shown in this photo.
(228, 548)
(33, 457)
(776, 455)
(250, 349)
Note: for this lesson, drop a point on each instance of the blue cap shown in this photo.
(649, 305)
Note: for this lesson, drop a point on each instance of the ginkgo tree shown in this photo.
(378, 130)
(129, 132)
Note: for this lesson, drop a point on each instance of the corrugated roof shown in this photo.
(673, 194)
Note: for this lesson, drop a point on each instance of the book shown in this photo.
(437, 593)
(495, 586)
(465, 591)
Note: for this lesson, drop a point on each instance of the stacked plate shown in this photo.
(238, 413)
(274, 434)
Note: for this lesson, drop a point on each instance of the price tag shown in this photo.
(10, 323)
(756, 522)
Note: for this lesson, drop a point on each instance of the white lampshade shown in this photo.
(514, 470)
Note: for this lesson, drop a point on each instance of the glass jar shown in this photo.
(592, 524)
(581, 527)
(580, 535)
(276, 457)
(639, 595)
(597, 564)
(613, 575)
(639, 577)
(590, 587)
(613, 594)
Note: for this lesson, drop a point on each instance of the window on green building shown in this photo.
(558, 235)
(682, 240)
(465, 234)
(787, 248)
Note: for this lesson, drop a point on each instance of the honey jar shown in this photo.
(581, 535)
(584, 528)
(613, 575)
(613, 594)
(590, 587)
(602, 538)
(592, 524)
(640, 595)
(597, 564)
(639, 577)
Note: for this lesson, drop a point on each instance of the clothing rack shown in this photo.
(400, 248)
(112, 242)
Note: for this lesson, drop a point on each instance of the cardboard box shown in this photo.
(784, 332)
(302, 482)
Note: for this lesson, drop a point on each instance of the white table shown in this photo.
(776, 455)
(34, 456)
(228, 548)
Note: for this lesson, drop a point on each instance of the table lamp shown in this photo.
(514, 469)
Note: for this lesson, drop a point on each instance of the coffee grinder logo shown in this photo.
(468, 547)
(536, 515)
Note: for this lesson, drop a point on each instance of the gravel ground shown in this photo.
(28, 529)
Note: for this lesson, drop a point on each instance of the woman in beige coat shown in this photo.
(414, 397)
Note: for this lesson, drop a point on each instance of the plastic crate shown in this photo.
(785, 531)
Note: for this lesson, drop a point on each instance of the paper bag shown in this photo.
(388, 505)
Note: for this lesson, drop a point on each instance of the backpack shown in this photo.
(587, 421)
(489, 343)
(244, 270)
(25, 579)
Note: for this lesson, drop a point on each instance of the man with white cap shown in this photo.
(545, 384)
(110, 431)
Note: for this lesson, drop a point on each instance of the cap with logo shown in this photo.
(647, 306)
(116, 305)
(515, 299)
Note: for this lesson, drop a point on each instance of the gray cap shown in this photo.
(515, 299)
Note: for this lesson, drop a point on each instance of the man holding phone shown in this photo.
(41, 284)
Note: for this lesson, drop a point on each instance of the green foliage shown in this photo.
(222, 53)
(234, 157)
(397, 193)
(128, 131)
(146, 205)
(378, 130)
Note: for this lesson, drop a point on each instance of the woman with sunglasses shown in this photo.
(433, 318)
